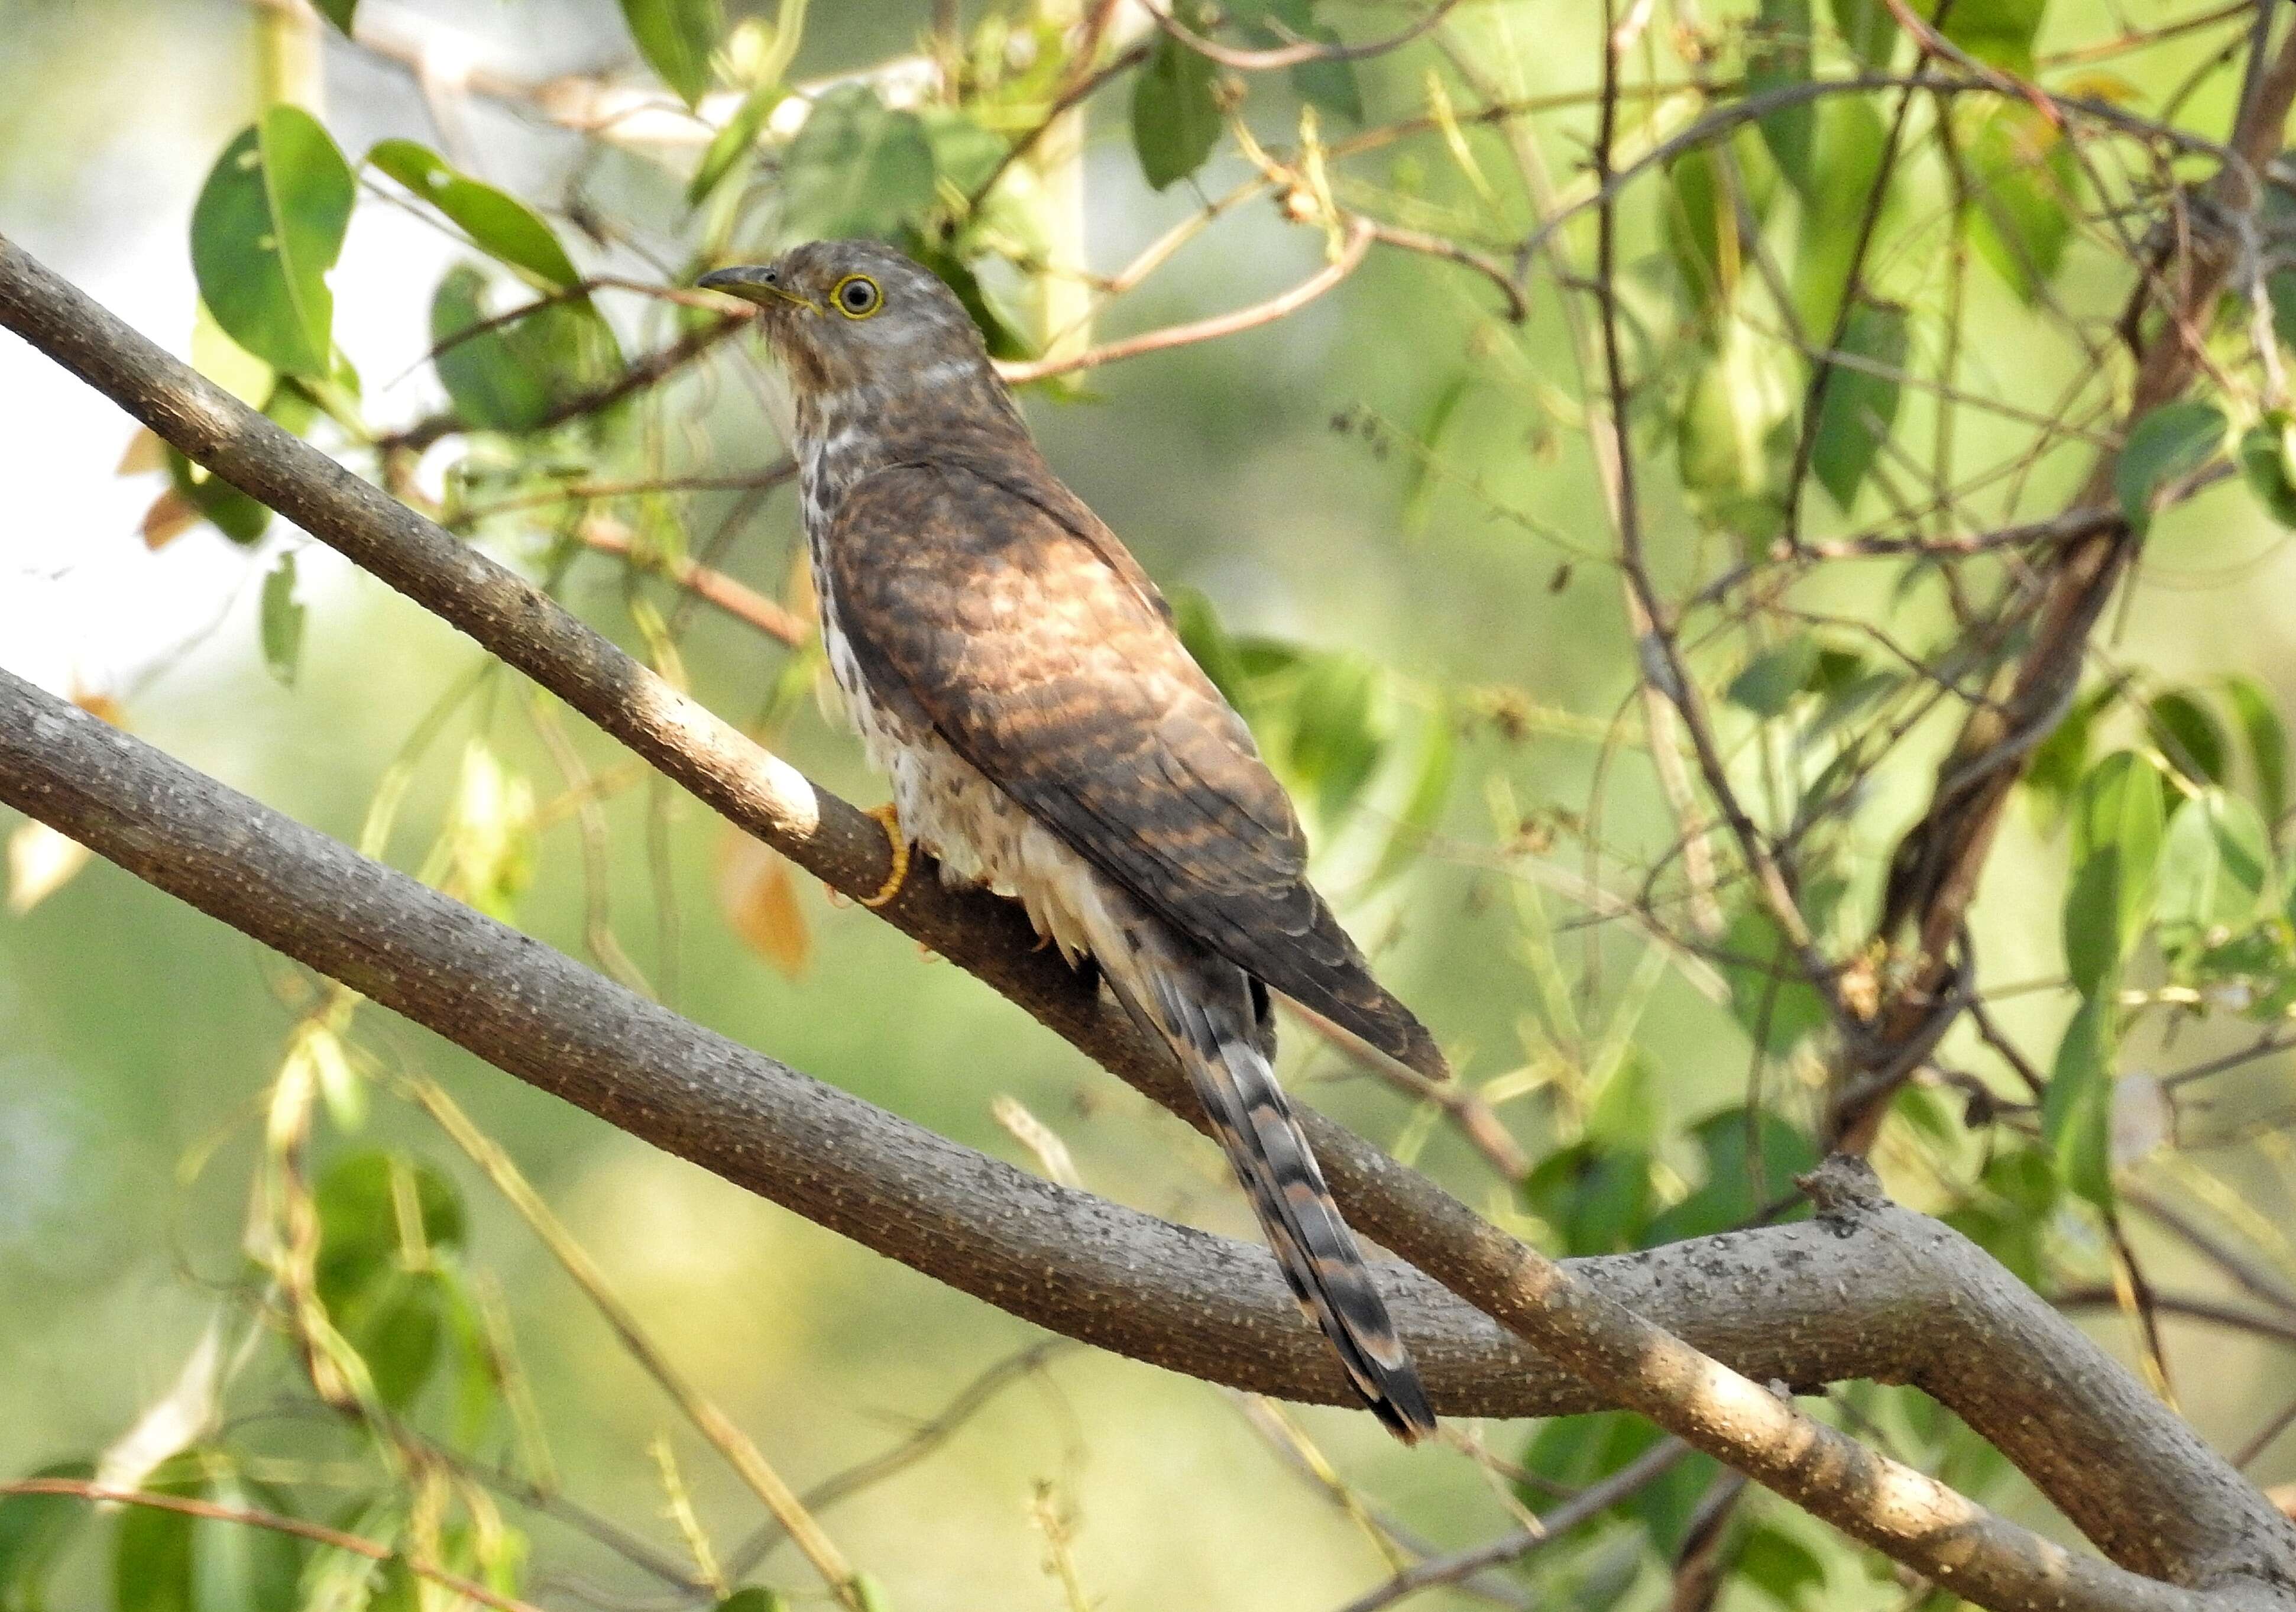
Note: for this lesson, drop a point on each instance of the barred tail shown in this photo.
(1311, 1242)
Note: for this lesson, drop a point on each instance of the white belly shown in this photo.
(977, 833)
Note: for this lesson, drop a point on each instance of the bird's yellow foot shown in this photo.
(890, 814)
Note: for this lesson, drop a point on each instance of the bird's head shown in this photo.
(847, 314)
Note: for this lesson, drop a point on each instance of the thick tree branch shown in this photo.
(893, 1187)
(1868, 1290)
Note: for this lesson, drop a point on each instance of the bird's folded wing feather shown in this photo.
(987, 600)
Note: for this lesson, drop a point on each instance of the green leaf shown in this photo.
(1329, 83)
(1442, 410)
(2021, 175)
(491, 834)
(498, 224)
(1768, 996)
(1868, 30)
(2268, 740)
(2010, 1215)
(1777, 56)
(1621, 1114)
(2216, 868)
(372, 1206)
(1851, 138)
(754, 1599)
(339, 12)
(675, 37)
(1207, 642)
(233, 513)
(2167, 445)
(1861, 402)
(2060, 760)
(965, 152)
(283, 621)
(1596, 1197)
(734, 141)
(2191, 737)
(1734, 1192)
(1779, 1565)
(1339, 730)
(2117, 822)
(515, 375)
(34, 1528)
(1579, 1450)
(1175, 114)
(857, 169)
(2267, 464)
(382, 1223)
(1733, 436)
(1701, 232)
(227, 364)
(1996, 31)
(1772, 678)
(267, 226)
(2277, 220)
(165, 1562)
(2077, 1111)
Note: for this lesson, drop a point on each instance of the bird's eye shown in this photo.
(856, 297)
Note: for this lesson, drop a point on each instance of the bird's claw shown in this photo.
(890, 815)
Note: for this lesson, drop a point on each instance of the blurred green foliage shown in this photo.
(1423, 624)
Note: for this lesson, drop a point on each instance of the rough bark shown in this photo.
(2136, 1481)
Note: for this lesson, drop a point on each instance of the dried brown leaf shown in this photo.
(757, 889)
(170, 516)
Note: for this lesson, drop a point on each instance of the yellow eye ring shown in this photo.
(856, 297)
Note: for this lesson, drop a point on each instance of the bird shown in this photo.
(1019, 678)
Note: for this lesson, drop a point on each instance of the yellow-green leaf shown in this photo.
(2117, 822)
(283, 621)
(2076, 1112)
(1861, 399)
(498, 224)
(1176, 115)
(2166, 446)
(675, 37)
(2267, 738)
(1777, 57)
(857, 167)
(2022, 172)
(267, 226)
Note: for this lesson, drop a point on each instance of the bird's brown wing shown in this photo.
(988, 601)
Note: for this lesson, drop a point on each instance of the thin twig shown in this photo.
(1628, 1481)
(254, 1516)
(1291, 56)
(730, 595)
(740, 1453)
(1357, 242)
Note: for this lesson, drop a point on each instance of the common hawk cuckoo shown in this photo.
(1012, 668)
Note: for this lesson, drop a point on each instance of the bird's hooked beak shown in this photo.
(758, 283)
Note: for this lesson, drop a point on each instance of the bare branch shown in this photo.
(2166, 1506)
(1869, 1290)
(1358, 239)
(730, 595)
(1294, 54)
